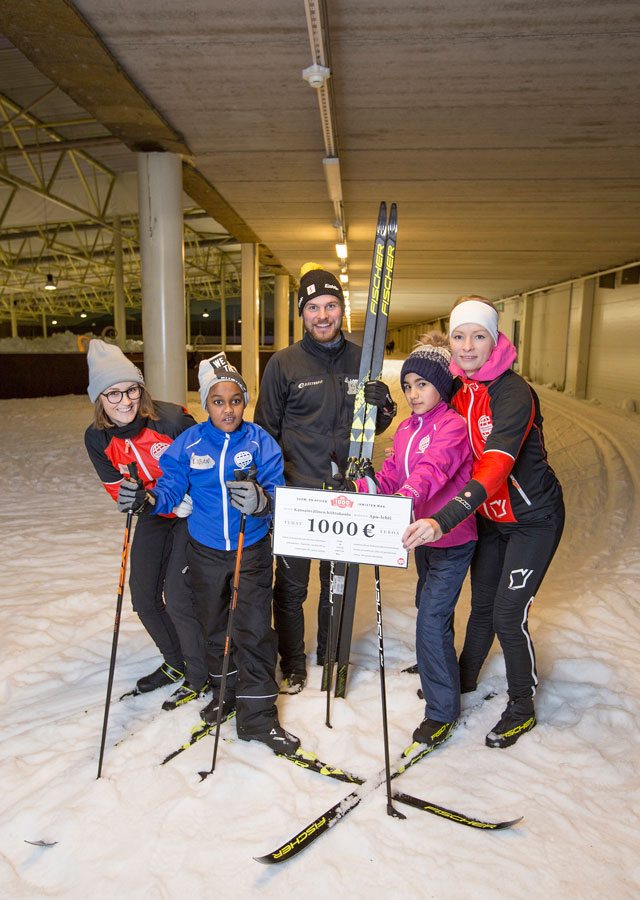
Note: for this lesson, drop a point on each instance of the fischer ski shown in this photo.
(451, 814)
(338, 811)
(344, 577)
(305, 759)
(197, 733)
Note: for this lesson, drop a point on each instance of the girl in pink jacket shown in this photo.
(431, 461)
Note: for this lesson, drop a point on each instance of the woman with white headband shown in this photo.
(519, 501)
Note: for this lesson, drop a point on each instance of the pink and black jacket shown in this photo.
(431, 462)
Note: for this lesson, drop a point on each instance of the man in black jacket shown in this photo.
(306, 403)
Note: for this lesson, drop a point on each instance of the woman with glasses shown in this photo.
(130, 427)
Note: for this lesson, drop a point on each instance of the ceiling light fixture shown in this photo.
(344, 278)
(83, 315)
(341, 250)
(50, 283)
(205, 314)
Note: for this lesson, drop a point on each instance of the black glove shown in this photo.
(132, 495)
(249, 498)
(377, 394)
(342, 483)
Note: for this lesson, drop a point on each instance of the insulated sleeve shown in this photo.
(173, 484)
(448, 451)
(271, 464)
(512, 414)
(110, 477)
(387, 478)
(269, 411)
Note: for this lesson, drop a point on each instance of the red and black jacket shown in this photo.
(142, 441)
(512, 480)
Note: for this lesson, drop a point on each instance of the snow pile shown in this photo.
(145, 831)
(62, 342)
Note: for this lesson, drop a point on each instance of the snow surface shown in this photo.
(145, 832)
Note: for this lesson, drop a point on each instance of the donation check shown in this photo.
(344, 527)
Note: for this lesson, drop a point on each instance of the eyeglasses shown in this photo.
(133, 393)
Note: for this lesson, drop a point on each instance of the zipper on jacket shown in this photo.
(406, 454)
(471, 399)
(520, 491)
(129, 443)
(223, 489)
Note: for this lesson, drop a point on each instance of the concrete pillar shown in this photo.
(297, 322)
(14, 320)
(526, 325)
(223, 304)
(119, 316)
(162, 264)
(250, 317)
(281, 313)
(579, 338)
(44, 324)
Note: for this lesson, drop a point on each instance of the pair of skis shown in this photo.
(344, 577)
(338, 811)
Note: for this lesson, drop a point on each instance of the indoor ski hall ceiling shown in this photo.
(507, 133)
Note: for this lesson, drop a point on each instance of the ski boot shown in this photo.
(184, 694)
(518, 717)
(277, 739)
(432, 733)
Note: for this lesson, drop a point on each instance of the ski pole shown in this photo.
(133, 471)
(240, 475)
(391, 810)
(328, 669)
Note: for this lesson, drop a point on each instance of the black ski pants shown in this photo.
(507, 569)
(161, 594)
(289, 593)
(252, 661)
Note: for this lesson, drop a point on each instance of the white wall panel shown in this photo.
(614, 365)
(549, 336)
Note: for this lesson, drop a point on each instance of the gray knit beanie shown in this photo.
(432, 364)
(108, 365)
(218, 368)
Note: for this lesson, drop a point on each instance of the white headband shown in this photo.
(474, 312)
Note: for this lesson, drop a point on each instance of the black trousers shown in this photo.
(253, 656)
(161, 594)
(289, 593)
(507, 569)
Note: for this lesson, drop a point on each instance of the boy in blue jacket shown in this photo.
(202, 461)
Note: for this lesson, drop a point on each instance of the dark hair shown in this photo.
(147, 410)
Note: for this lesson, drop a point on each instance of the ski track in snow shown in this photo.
(146, 832)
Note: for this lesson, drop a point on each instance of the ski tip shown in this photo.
(381, 228)
(265, 860)
(393, 221)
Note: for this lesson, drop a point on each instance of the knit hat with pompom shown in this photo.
(430, 360)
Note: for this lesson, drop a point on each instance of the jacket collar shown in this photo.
(313, 347)
(501, 359)
(429, 418)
